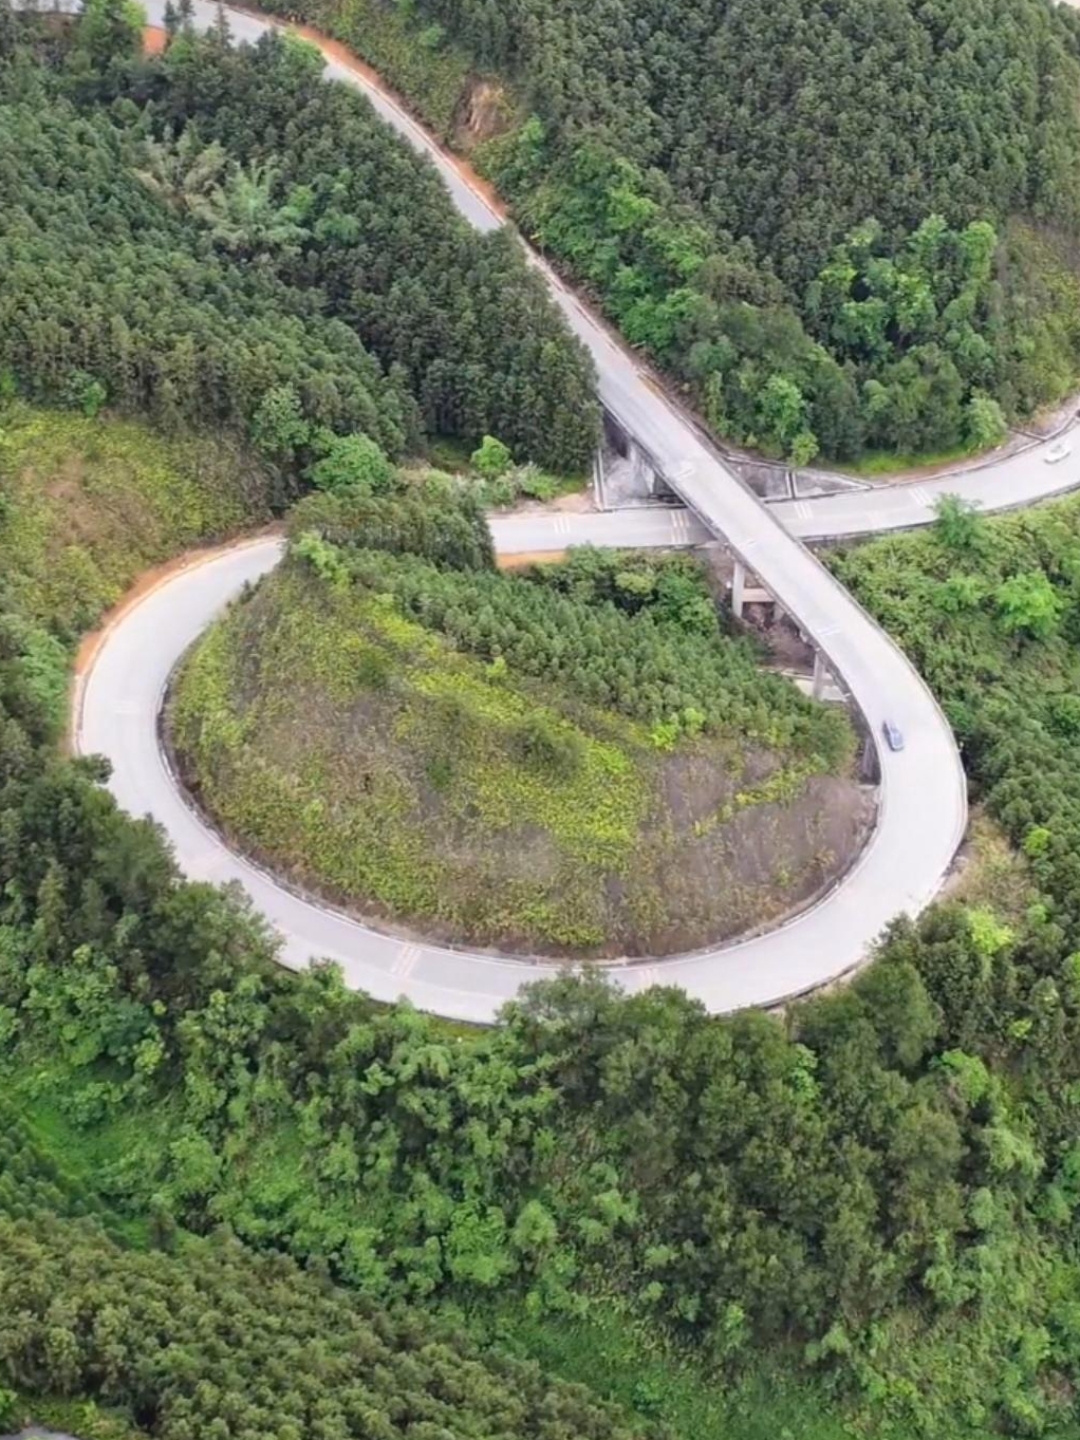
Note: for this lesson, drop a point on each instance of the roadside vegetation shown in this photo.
(500, 761)
(86, 506)
(989, 611)
(843, 232)
(857, 1217)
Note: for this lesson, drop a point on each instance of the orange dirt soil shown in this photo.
(530, 557)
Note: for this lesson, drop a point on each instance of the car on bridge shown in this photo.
(894, 736)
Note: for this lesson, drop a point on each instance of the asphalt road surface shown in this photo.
(922, 811)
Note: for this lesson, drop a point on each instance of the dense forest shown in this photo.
(216, 1341)
(876, 1192)
(153, 261)
(841, 226)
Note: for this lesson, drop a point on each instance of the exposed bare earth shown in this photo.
(482, 114)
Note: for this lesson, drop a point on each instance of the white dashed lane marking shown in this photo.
(405, 963)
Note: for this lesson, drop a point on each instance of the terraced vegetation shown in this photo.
(502, 760)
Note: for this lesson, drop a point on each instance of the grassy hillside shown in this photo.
(367, 757)
(86, 505)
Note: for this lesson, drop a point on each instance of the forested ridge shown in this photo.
(155, 260)
(841, 227)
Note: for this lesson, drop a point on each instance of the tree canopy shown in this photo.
(841, 225)
(217, 236)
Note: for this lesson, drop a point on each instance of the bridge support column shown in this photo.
(644, 474)
(821, 675)
(738, 587)
(598, 479)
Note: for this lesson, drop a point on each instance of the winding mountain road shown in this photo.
(923, 807)
(117, 709)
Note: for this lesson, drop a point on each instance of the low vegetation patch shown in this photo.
(88, 503)
(435, 745)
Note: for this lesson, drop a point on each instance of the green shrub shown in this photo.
(546, 746)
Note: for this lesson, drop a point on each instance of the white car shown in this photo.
(893, 735)
(1057, 452)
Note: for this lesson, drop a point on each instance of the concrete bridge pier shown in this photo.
(738, 589)
(822, 675)
(746, 589)
(646, 476)
(629, 473)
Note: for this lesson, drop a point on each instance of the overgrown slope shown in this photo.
(88, 504)
(989, 610)
(603, 784)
